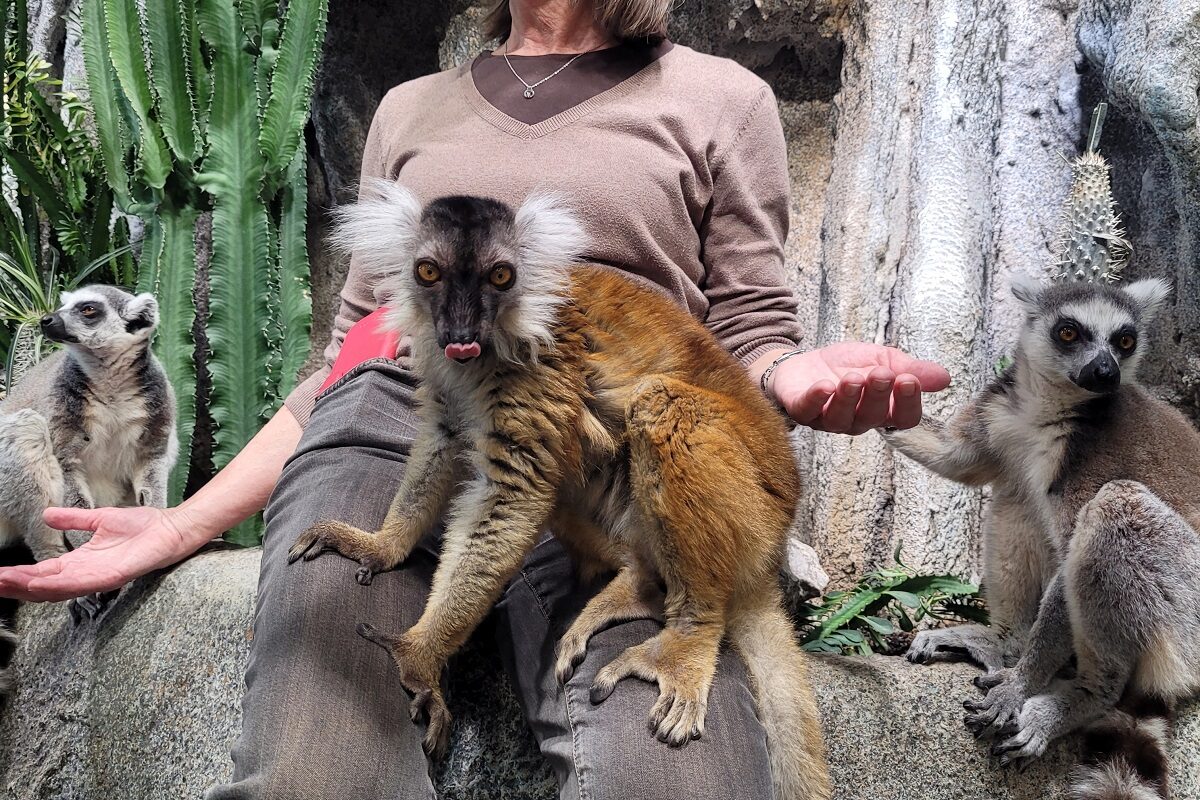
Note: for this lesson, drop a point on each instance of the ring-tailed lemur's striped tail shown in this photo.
(1126, 754)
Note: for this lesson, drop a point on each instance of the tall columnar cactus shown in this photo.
(200, 106)
(1092, 247)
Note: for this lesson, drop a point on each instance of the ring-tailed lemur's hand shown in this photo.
(993, 715)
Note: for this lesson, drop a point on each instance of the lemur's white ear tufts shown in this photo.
(381, 228)
(1027, 290)
(548, 233)
(1150, 294)
(141, 312)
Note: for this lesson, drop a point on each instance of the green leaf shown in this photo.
(170, 74)
(240, 267)
(880, 625)
(906, 598)
(295, 301)
(124, 28)
(292, 81)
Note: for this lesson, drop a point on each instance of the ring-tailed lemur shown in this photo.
(91, 425)
(1091, 547)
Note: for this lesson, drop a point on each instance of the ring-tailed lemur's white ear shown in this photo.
(1028, 291)
(140, 313)
(1150, 294)
(549, 234)
(381, 228)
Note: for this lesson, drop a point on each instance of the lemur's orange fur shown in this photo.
(636, 406)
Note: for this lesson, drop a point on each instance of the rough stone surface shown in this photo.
(145, 704)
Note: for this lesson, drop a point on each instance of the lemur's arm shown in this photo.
(956, 450)
(150, 481)
(69, 439)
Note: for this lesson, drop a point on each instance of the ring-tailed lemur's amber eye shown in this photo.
(501, 276)
(88, 311)
(428, 273)
(1068, 333)
(1127, 341)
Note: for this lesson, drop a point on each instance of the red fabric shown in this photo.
(363, 342)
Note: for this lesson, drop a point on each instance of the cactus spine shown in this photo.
(208, 116)
(1092, 247)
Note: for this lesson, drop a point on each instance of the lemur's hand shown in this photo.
(853, 387)
(127, 543)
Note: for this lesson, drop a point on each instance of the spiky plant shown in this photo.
(200, 107)
(1091, 245)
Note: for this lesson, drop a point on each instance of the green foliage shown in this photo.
(56, 226)
(214, 103)
(887, 601)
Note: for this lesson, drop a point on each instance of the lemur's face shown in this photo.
(102, 319)
(465, 275)
(1090, 335)
(465, 271)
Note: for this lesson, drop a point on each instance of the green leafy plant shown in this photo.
(56, 220)
(888, 601)
(200, 110)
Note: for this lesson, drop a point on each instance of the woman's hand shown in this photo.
(852, 387)
(127, 543)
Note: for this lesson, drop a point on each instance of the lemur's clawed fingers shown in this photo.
(90, 606)
(368, 549)
(676, 718)
(990, 680)
(570, 653)
(420, 678)
(1020, 749)
(633, 663)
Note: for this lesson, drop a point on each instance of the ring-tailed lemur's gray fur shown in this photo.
(92, 425)
(1091, 548)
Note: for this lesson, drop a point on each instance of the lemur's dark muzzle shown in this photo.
(1102, 375)
(53, 328)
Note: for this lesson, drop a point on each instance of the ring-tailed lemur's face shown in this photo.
(467, 273)
(1091, 335)
(102, 319)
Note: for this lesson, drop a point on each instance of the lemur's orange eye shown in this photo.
(501, 276)
(88, 311)
(1068, 333)
(1126, 342)
(428, 273)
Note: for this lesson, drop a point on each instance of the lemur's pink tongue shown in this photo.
(463, 352)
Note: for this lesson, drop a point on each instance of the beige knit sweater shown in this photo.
(679, 174)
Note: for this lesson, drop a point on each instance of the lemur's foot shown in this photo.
(992, 715)
(368, 549)
(683, 670)
(975, 643)
(420, 675)
(90, 606)
(1025, 739)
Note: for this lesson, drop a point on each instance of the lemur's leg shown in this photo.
(710, 529)
(491, 528)
(1047, 651)
(429, 480)
(1016, 564)
(150, 482)
(1133, 589)
(953, 449)
(632, 594)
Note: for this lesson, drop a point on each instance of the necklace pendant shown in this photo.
(529, 93)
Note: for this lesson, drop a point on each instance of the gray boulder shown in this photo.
(145, 705)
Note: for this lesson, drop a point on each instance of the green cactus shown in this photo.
(208, 116)
(1092, 247)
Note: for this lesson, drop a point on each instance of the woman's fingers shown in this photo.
(839, 412)
(876, 400)
(808, 408)
(72, 519)
(906, 401)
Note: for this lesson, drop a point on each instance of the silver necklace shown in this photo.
(529, 87)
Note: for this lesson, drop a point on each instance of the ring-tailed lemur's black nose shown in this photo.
(47, 320)
(1102, 374)
(53, 328)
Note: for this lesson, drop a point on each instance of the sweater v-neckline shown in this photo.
(524, 130)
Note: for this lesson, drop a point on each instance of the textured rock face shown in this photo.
(145, 705)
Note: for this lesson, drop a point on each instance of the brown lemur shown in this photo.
(91, 425)
(565, 396)
(1091, 548)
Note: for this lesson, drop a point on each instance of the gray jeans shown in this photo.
(324, 715)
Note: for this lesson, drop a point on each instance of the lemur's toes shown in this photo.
(437, 732)
(373, 634)
(304, 542)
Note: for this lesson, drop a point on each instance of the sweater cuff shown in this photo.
(747, 354)
(303, 398)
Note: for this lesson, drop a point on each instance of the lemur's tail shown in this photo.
(778, 671)
(1126, 754)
